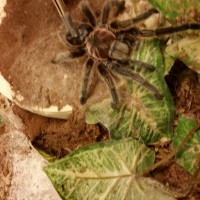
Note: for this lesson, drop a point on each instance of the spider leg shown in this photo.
(168, 30)
(142, 65)
(87, 12)
(68, 55)
(106, 75)
(136, 77)
(127, 38)
(105, 13)
(137, 63)
(106, 9)
(61, 8)
(120, 6)
(84, 92)
(129, 22)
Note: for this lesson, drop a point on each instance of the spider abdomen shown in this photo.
(103, 44)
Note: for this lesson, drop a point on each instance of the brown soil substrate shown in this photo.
(60, 137)
(5, 166)
(185, 88)
(5, 163)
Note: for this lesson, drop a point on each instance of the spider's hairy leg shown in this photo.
(88, 13)
(62, 57)
(105, 13)
(61, 8)
(137, 63)
(128, 39)
(106, 9)
(168, 30)
(123, 71)
(126, 24)
(120, 6)
(106, 75)
(142, 65)
(84, 91)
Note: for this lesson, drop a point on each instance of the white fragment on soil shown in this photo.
(5, 88)
(19, 97)
(2, 12)
(51, 111)
(29, 182)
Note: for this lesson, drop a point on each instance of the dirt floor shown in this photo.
(60, 137)
(5, 166)
(5, 162)
(185, 88)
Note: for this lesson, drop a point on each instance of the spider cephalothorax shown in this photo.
(108, 44)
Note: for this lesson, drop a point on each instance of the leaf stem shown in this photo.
(170, 156)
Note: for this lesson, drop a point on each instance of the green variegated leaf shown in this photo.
(168, 62)
(46, 156)
(187, 50)
(173, 8)
(108, 170)
(186, 46)
(141, 115)
(188, 156)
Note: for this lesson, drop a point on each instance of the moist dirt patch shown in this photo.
(60, 137)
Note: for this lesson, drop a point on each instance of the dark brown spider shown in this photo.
(108, 45)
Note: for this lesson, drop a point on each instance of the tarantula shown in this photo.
(108, 45)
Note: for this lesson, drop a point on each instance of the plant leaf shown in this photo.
(185, 46)
(187, 157)
(45, 155)
(171, 9)
(106, 171)
(141, 115)
(187, 50)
